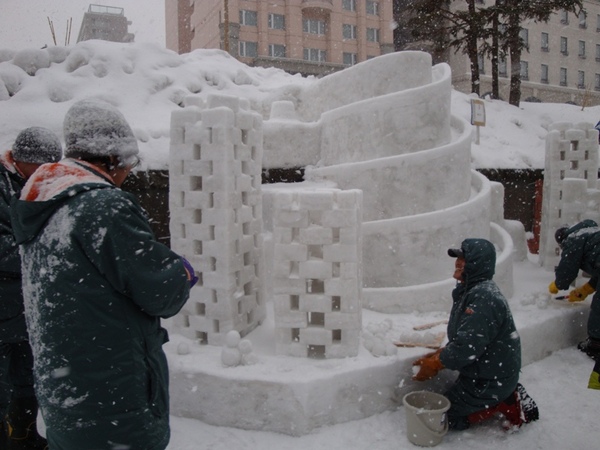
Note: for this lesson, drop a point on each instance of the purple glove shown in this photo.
(190, 272)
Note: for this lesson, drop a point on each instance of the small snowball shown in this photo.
(245, 346)
(391, 349)
(232, 339)
(183, 348)
(231, 357)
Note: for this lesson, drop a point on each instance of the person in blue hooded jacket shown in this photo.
(483, 346)
(96, 283)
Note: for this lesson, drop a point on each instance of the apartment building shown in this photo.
(312, 37)
(562, 63)
(106, 23)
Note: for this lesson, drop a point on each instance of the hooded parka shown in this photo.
(483, 343)
(96, 283)
(581, 250)
(12, 320)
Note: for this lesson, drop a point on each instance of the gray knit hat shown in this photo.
(37, 145)
(94, 128)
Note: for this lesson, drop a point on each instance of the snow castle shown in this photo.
(389, 187)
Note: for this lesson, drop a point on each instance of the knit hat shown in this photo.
(94, 128)
(37, 145)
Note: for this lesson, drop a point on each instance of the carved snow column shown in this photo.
(571, 168)
(317, 272)
(216, 215)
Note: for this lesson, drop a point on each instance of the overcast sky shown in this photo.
(24, 23)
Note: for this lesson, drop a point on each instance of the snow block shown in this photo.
(306, 284)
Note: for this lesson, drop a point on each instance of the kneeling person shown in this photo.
(483, 346)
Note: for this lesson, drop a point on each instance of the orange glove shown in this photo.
(579, 294)
(430, 366)
(552, 288)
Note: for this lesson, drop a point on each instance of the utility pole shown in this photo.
(226, 26)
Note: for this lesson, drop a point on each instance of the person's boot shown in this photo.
(590, 347)
(518, 409)
(22, 426)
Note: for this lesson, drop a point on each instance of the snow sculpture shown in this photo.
(216, 215)
(397, 141)
(384, 129)
(317, 272)
(570, 192)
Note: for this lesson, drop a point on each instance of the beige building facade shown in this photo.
(562, 64)
(312, 37)
(106, 23)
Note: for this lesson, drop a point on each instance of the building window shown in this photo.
(524, 70)
(544, 75)
(350, 59)
(315, 54)
(545, 42)
(349, 31)
(480, 63)
(502, 71)
(524, 35)
(313, 26)
(582, 19)
(277, 51)
(582, 49)
(564, 17)
(373, 34)
(248, 18)
(597, 82)
(564, 45)
(349, 5)
(277, 21)
(581, 79)
(597, 52)
(598, 22)
(249, 49)
(563, 76)
(372, 8)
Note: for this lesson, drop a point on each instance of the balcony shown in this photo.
(324, 5)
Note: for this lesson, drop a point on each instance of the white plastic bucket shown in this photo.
(426, 419)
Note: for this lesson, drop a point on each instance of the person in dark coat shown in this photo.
(96, 284)
(33, 146)
(483, 346)
(580, 250)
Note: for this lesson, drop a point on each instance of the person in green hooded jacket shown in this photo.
(33, 147)
(96, 283)
(580, 250)
(483, 346)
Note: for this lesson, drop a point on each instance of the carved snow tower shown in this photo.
(216, 215)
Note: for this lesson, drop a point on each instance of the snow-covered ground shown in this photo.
(558, 384)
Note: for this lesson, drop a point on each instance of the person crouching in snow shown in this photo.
(96, 283)
(33, 147)
(580, 249)
(483, 346)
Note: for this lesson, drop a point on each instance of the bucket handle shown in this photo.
(440, 433)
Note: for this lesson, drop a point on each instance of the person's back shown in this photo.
(96, 285)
